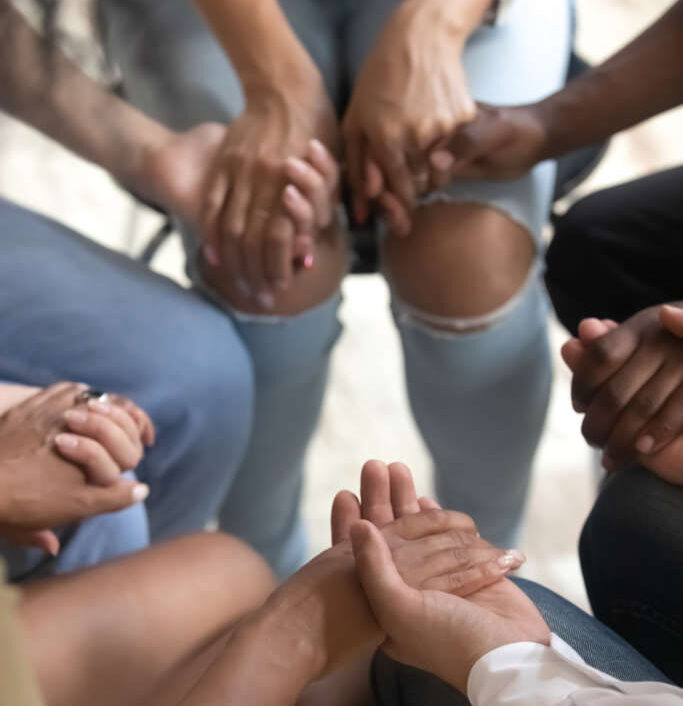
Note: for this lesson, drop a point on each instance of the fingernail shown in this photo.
(292, 193)
(100, 406)
(140, 492)
(243, 287)
(645, 444)
(318, 148)
(67, 441)
(512, 557)
(308, 261)
(77, 416)
(266, 300)
(210, 255)
(441, 160)
(298, 165)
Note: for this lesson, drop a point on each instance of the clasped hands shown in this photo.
(61, 460)
(261, 192)
(404, 574)
(628, 384)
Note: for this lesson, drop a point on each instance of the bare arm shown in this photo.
(643, 79)
(41, 87)
(260, 43)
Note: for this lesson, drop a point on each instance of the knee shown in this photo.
(462, 261)
(308, 289)
(636, 510)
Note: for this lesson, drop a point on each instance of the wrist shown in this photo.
(456, 19)
(141, 175)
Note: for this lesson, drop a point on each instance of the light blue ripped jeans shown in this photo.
(479, 398)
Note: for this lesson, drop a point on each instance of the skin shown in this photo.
(61, 461)
(229, 641)
(173, 170)
(627, 383)
(641, 80)
(460, 630)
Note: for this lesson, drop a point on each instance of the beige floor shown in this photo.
(365, 413)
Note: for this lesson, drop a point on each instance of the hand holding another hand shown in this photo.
(61, 461)
(628, 380)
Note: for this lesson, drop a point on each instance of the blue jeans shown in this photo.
(72, 310)
(395, 684)
(479, 399)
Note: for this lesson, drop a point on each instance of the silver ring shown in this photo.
(91, 394)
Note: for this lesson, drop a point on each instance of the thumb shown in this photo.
(112, 498)
(572, 351)
(671, 318)
(591, 329)
(377, 573)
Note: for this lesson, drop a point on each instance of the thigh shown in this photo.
(174, 69)
(632, 560)
(618, 251)
(73, 310)
(123, 633)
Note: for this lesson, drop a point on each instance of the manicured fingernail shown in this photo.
(266, 300)
(243, 287)
(512, 557)
(210, 255)
(308, 260)
(298, 165)
(66, 441)
(77, 416)
(100, 406)
(140, 492)
(292, 194)
(318, 148)
(441, 160)
(645, 444)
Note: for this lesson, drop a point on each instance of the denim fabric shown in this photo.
(72, 310)
(396, 684)
(173, 69)
(632, 560)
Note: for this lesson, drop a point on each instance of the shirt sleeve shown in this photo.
(528, 673)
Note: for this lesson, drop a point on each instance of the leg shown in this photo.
(466, 293)
(632, 559)
(18, 684)
(601, 648)
(96, 316)
(625, 243)
(173, 68)
(138, 631)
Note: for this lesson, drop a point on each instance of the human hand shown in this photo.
(433, 548)
(641, 400)
(502, 142)
(436, 631)
(49, 478)
(241, 212)
(410, 97)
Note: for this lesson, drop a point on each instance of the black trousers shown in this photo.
(619, 251)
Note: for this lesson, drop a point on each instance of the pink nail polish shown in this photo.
(645, 444)
(308, 261)
(67, 441)
(210, 255)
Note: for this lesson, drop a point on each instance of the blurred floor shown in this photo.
(366, 413)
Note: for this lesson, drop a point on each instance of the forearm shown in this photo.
(260, 43)
(41, 87)
(642, 80)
